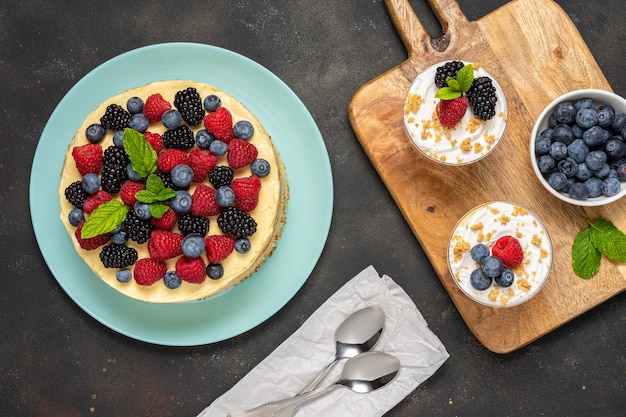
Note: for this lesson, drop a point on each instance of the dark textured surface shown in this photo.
(58, 361)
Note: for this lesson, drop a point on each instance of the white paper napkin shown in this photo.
(298, 359)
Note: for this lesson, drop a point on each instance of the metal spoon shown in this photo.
(362, 374)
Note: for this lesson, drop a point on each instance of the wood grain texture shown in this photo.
(536, 54)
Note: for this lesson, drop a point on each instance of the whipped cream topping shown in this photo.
(486, 224)
(469, 141)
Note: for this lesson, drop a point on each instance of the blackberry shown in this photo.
(75, 194)
(114, 172)
(115, 118)
(188, 223)
(482, 98)
(189, 105)
(137, 229)
(236, 222)
(180, 138)
(118, 256)
(221, 175)
(166, 178)
(449, 69)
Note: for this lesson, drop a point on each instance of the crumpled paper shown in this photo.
(298, 359)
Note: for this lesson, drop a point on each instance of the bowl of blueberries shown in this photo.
(578, 147)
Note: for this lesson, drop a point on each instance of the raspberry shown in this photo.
(192, 270)
(241, 153)
(115, 118)
(189, 105)
(220, 124)
(148, 271)
(164, 245)
(155, 106)
(92, 242)
(203, 202)
(88, 158)
(118, 256)
(95, 200)
(128, 191)
(167, 221)
(509, 250)
(201, 163)
(169, 158)
(452, 111)
(218, 247)
(246, 192)
(155, 140)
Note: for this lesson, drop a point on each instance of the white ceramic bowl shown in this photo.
(468, 142)
(599, 97)
(487, 223)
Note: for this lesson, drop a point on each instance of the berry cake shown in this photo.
(173, 192)
(455, 113)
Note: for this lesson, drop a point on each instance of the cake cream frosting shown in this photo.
(469, 141)
(270, 213)
(486, 224)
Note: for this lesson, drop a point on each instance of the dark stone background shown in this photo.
(58, 361)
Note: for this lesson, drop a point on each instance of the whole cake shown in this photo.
(173, 192)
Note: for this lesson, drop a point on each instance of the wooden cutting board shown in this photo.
(536, 53)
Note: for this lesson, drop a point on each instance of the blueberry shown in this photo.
(181, 175)
(558, 181)
(595, 160)
(577, 132)
(139, 122)
(224, 196)
(172, 280)
(583, 172)
(90, 183)
(242, 245)
(193, 245)
(95, 132)
(546, 163)
(142, 210)
(552, 121)
(568, 166)
(595, 136)
(260, 167)
(578, 191)
(584, 103)
(75, 216)
(558, 150)
(132, 174)
(119, 238)
(542, 145)
(565, 112)
(562, 133)
(603, 172)
(212, 102)
(243, 129)
(621, 171)
(578, 150)
(123, 275)
(218, 148)
(118, 139)
(606, 114)
(506, 278)
(479, 252)
(214, 271)
(134, 105)
(619, 122)
(181, 203)
(610, 186)
(615, 148)
(204, 139)
(594, 187)
(479, 280)
(586, 118)
(172, 119)
(492, 266)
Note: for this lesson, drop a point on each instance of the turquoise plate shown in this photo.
(309, 210)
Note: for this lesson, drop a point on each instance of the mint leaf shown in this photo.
(447, 93)
(143, 157)
(609, 240)
(165, 194)
(453, 84)
(157, 210)
(104, 219)
(585, 256)
(465, 78)
(154, 184)
(146, 196)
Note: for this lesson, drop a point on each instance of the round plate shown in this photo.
(309, 210)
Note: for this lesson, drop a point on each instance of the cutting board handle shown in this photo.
(411, 30)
